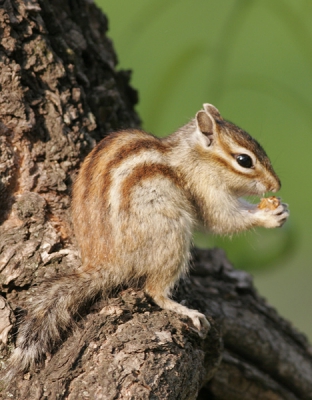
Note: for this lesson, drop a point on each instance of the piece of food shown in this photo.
(269, 202)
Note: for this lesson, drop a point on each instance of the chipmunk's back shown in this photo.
(125, 198)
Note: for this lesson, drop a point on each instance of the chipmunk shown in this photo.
(135, 203)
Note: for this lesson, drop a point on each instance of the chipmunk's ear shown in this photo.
(205, 128)
(206, 121)
(212, 110)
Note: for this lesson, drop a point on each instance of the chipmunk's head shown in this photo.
(238, 160)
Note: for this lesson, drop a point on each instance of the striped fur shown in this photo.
(135, 204)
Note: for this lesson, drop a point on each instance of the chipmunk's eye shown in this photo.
(244, 160)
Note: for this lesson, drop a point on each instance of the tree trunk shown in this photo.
(60, 94)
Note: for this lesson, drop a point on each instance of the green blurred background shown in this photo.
(252, 60)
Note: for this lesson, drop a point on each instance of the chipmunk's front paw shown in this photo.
(272, 214)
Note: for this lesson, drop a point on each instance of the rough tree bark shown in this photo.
(60, 93)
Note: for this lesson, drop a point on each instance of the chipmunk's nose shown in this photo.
(276, 187)
(274, 184)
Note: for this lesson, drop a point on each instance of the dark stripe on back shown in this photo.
(123, 152)
(142, 172)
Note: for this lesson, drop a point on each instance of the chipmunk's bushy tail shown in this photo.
(52, 314)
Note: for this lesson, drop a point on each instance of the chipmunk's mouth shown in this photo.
(260, 190)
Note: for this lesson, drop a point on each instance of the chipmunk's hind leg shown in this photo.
(159, 292)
